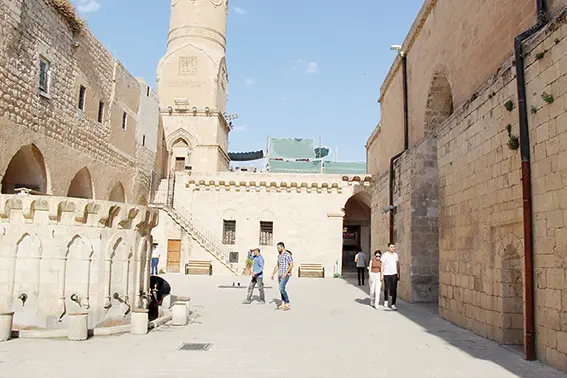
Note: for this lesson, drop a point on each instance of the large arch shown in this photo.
(424, 201)
(356, 231)
(439, 103)
(26, 170)
(117, 193)
(81, 186)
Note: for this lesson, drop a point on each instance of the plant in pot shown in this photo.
(248, 266)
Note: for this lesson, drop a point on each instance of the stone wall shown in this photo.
(62, 255)
(69, 139)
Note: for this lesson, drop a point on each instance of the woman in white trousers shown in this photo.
(375, 279)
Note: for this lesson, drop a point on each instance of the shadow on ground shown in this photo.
(426, 315)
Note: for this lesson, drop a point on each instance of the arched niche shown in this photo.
(117, 193)
(26, 170)
(81, 186)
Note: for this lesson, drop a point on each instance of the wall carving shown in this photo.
(188, 65)
(64, 255)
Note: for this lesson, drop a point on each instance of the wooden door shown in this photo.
(173, 256)
(179, 163)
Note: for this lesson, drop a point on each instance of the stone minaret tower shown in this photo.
(192, 85)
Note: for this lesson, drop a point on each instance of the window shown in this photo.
(82, 92)
(229, 232)
(266, 233)
(44, 75)
(143, 140)
(124, 119)
(148, 91)
(100, 111)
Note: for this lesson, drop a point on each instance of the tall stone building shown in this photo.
(79, 137)
(193, 86)
(451, 161)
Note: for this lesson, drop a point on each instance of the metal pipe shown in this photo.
(406, 142)
(529, 312)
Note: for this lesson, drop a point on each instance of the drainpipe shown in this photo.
(406, 142)
(529, 321)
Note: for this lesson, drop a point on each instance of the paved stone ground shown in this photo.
(330, 332)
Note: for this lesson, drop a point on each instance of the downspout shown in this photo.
(406, 142)
(529, 321)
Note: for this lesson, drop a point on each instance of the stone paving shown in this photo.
(331, 331)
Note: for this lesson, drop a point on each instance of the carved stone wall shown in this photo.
(61, 255)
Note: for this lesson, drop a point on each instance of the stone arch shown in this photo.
(181, 144)
(143, 200)
(117, 193)
(26, 169)
(77, 273)
(117, 269)
(25, 264)
(356, 230)
(439, 103)
(82, 185)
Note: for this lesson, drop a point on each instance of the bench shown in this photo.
(199, 268)
(311, 271)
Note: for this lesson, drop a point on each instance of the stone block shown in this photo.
(6, 322)
(78, 326)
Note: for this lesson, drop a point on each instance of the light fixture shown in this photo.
(397, 48)
(194, 109)
(169, 109)
(387, 209)
(230, 117)
(207, 109)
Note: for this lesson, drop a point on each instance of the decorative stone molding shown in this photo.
(76, 211)
(267, 186)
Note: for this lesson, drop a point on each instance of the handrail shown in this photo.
(195, 226)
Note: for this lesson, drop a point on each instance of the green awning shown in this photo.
(278, 166)
(292, 148)
(345, 168)
(246, 156)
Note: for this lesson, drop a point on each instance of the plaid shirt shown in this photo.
(284, 261)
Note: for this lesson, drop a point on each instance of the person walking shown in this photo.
(283, 267)
(375, 279)
(391, 273)
(257, 276)
(156, 254)
(360, 260)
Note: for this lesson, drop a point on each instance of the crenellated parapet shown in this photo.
(75, 212)
(65, 255)
(274, 183)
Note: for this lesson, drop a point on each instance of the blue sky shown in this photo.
(297, 68)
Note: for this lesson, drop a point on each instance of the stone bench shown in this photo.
(311, 271)
(199, 268)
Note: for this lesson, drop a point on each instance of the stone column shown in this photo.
(78, 326)
(6, 319)
(139, 322)
(180, 312)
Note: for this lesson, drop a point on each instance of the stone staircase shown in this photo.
(208, 240)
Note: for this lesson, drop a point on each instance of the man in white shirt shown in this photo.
(156, 254)
(360, 260)
(390, 274)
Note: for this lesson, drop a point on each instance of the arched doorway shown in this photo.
(356, 232)
(181, 155)
(117, 193)
(81, 186)
(26, 170)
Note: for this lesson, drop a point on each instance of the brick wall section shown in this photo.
(68, 138)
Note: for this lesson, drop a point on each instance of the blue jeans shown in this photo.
(283, 282)
(155, 262)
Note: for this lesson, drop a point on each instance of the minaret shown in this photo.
(192, 85)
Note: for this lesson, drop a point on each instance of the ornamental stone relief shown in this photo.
(188, 65)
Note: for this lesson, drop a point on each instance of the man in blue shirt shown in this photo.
(257, 276)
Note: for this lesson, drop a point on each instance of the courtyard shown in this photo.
(330, 331)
